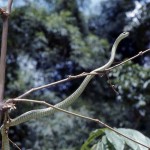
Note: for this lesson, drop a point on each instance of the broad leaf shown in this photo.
(115, 140)
(92, 137)
(110, 140)
(101, 145)
(137, 136)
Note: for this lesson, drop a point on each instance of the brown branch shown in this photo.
(80, 75)
(139, 54)
(81, 116)
(14, 144)
(3, 12)
(4, 132)
(5, 17)
(9, 6)
(112, 86)
(3, 56)
(55, 83)
(4, 48)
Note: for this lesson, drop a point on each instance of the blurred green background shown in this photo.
(49, 40)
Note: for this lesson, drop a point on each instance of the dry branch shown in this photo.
(5, 18)
(70, 77)
(81, 116)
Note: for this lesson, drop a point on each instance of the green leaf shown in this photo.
(109, 140)
(115, 140)
(98, 146)
(137, 136)
(92, 137)
(101, 145)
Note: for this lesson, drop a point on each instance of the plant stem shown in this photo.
(3, 56)
(5, 17)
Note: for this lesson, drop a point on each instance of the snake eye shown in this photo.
(125, 33)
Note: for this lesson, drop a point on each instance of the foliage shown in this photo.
(132, 82)
(102, 139)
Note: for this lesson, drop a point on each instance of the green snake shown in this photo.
(34, 114)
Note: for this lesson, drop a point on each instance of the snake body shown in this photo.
(34, 114)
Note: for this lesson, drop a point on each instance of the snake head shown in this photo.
(123, 35)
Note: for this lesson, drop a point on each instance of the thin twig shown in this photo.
(55, 83)
(41, 87)
(80, 75)
(14, 144)
(112, 86)
(139, 54)
(81, 116)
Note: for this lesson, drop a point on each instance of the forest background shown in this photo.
(49, 40)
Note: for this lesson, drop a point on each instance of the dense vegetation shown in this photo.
(51, 41)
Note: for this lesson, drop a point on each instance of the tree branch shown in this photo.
(3, 55)
(4, 132)
(80, 75)
(5, 17)
(123, 62)
(81, 116)
(55, 83)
